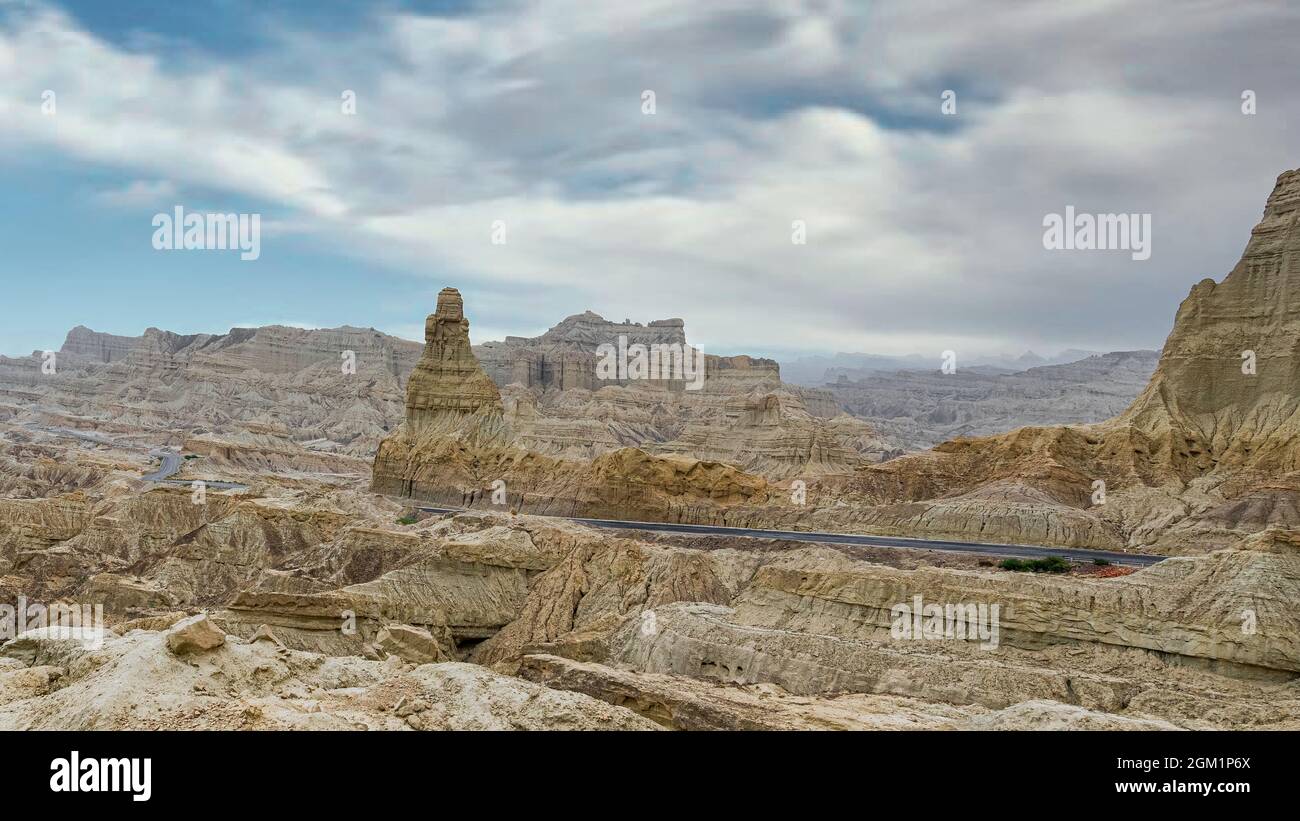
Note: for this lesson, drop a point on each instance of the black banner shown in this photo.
(139, 772)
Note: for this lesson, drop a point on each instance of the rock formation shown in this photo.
(631, 448)
(1206, 453)
(565, 356)
(304, 601)
(1226, 393)
(307, 604)
(447, 382)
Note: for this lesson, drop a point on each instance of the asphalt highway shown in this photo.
(1019, 551)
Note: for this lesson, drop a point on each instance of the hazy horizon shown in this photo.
(791, 357)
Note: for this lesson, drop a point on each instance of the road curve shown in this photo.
(984, 548)
(171, 464)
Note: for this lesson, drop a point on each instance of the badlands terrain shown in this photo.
(286, 575)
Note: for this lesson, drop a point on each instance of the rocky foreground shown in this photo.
(299, 604)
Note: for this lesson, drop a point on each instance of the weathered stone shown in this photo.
(265, 633)
(410, 644)
(195, 634)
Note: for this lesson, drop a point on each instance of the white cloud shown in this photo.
(924, 233)
(137, 193)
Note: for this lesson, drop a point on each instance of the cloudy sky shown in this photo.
(924, 229)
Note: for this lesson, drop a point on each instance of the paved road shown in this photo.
(97, 438)
(988, 549)
(171, 464)
(207, 484)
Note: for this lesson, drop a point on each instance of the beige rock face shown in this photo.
(325, 597)
(447, 380)
(1050, 715)
(1202, 412)
(1207, 454)
(133, 682)
(658, 628)
(193, 635)
(410, 644)
(681, 703)
(721, 635)
(560, 403)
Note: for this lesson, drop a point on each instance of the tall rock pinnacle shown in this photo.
(447, 379)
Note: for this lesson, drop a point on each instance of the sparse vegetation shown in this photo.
(1051, 564)
(1101, 562)
(407, 520)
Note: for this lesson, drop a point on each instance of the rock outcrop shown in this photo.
(193, 635)
(134, 682)
(447, 381)
(336, 602)
(560, 403)
(1226, 394)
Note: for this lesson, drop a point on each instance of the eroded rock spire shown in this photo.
(448, 379)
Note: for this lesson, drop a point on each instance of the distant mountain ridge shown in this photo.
(918, 409)
(817, 370)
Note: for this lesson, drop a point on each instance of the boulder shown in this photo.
(411, 644)
(195, 634)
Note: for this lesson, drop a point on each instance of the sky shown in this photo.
(528, 122)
